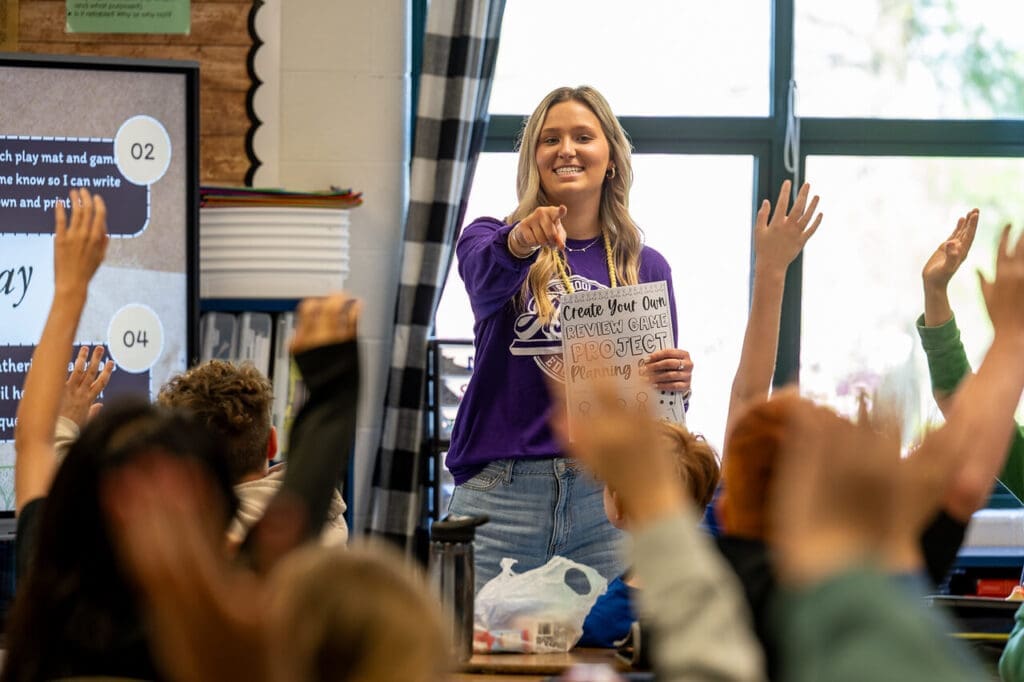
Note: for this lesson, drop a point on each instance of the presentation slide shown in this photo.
(122, 134)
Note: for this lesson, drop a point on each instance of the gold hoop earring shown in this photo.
(610, 173)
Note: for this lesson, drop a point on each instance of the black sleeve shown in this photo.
(321, 438)
(26, 536)
(940, 541)
(324, 432)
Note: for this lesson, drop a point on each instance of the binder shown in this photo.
(254, 340)
(218, 336)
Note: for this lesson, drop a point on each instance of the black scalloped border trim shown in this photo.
(255, 82)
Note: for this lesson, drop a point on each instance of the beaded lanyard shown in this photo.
(562, 263)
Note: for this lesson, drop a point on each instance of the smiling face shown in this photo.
(572, 154)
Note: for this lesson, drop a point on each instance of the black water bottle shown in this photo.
(452, 575)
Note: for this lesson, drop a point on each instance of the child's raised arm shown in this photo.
(776, 243)
(79, 245)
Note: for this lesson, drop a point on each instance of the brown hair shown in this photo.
(748, 467)
(363, 614)
(233, 400)
(696, 463)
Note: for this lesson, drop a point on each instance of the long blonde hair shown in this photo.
(616, 222)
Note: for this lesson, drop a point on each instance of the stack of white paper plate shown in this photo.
(272, 252)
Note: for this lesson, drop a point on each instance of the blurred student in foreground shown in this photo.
(843, 615)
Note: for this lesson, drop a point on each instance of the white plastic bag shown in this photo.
(536, 611)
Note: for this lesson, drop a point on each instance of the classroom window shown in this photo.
(909, 59)
(862, 287)
(910, 114)
(652, 58)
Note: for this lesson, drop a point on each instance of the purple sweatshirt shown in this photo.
(504, 413)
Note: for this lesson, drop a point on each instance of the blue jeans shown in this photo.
(538, 508)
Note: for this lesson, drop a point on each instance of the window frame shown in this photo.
(763, 138)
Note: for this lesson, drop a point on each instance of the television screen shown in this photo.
(125, 130)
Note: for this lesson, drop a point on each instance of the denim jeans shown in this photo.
(538, 508)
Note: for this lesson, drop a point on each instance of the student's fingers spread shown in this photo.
(806, 216)
(1004, 247)
(98, 224)
(782, 203)
(60, 219)
(1017, 251)
(98, 238)
(969, 230)
(92, 369)
(99, 384)
(81, 215)
(77, 374)
(761, 222)
(800, 202)
(74, 206)
(809, 232)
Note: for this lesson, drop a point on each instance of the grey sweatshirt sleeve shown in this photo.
(699, 620)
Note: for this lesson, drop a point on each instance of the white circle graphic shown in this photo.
(142, 149)
(135, 338)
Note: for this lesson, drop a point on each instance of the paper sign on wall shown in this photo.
(608, 334)
(128, 16)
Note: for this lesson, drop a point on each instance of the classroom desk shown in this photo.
(531, 667)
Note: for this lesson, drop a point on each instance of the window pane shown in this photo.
(657, 57)
(704, 232)
(910, 59)
(862, 289)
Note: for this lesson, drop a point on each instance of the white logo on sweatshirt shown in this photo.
(544, 341)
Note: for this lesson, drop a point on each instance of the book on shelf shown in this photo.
(255, 331)
(262, 339)
(218, 336)
(289, 389)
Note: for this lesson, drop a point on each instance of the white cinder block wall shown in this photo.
(344, 103)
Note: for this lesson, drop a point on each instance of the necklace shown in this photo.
(581, 250)
(562, 263)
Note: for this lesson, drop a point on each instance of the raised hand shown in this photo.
(78, 249)
(778, 240)
(325, 320)
(543, 227)
(950, 254)
(1004, 295)
(87, 380)
(80, 244)
(629, 451)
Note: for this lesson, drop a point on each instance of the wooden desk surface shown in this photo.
(531, 667)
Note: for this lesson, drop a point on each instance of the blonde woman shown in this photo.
(571, 231)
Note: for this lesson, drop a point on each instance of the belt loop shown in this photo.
(510, 464)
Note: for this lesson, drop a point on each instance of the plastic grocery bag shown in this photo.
(536, 611)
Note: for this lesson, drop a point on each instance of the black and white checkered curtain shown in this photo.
(459, 51)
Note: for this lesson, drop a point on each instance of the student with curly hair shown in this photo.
(234, 401)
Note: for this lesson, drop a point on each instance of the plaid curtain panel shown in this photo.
(459, 51)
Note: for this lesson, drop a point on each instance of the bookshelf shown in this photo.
(260, 252)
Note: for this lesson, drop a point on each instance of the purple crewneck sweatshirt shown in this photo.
(504, 413)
